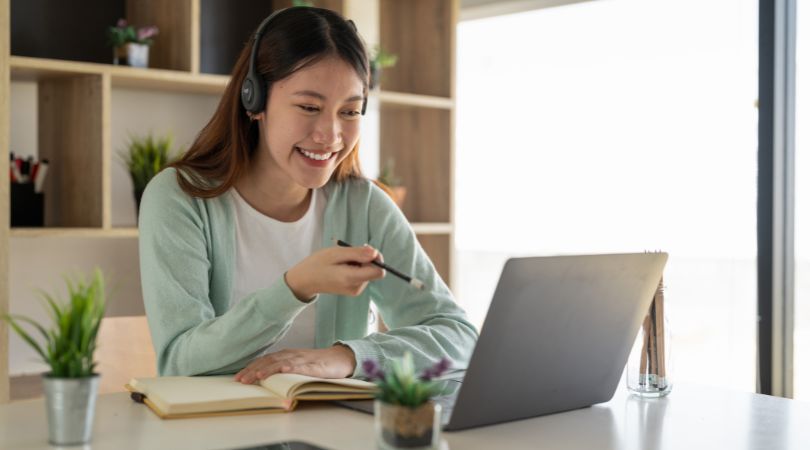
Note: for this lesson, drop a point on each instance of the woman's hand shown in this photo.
(333, 362)
(334, 270)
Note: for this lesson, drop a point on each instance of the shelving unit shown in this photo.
(416, 114)
(5, 46)
(416, 125)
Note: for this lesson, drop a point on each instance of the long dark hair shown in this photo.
(296, 38)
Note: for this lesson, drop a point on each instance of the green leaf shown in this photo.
(69, 345)
(25, 336)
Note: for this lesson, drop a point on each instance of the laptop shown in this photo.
(556, 338)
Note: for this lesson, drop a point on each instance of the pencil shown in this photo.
(410, 280)
(659, 329)
(643, 369)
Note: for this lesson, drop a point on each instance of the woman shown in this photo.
(238, 266)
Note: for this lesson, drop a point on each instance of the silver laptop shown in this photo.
(556, 337)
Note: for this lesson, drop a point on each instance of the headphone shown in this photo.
(254, 89)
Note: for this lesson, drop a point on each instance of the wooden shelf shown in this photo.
(432, 228)
(35, 69)
(401, 98)
(75, 232)
(132, 232)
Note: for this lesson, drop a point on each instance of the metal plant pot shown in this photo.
(71, 403)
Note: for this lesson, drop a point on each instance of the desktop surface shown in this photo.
(692, 417)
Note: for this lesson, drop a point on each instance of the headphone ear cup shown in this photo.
(253, 95)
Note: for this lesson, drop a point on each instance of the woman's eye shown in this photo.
(352, 113)
(308, 108)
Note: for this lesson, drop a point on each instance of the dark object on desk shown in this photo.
(289, 445)
(27, 206)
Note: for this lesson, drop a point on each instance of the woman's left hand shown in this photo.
(334, 362)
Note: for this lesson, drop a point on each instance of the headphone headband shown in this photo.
(254, 89)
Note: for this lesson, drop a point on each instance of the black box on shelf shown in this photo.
(27, 206)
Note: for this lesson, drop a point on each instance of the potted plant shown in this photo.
(380, 60)
(405, 416)
(391, 183)
(144, 158)
(130, 46)
(67, 348)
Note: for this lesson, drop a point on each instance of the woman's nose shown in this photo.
(327, 132)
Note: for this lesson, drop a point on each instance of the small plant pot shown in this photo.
(71, 404)
(403, 427)
(131, 54)
(398, 194)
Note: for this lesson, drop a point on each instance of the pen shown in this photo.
(15, 170)
(11, 167)
(42, 170)
(410, 280)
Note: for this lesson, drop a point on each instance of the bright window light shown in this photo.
(618, 126)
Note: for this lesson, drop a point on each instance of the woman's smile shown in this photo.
(316, 158)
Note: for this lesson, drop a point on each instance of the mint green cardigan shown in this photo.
(187, 251)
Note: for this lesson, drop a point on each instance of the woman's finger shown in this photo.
(363, 273)
(344, 255)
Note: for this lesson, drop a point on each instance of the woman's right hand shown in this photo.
(334, 270)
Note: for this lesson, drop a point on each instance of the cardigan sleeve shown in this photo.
(175, 260)
(427, 323)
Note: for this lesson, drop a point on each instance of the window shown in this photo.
(801, 337)
(618, 126)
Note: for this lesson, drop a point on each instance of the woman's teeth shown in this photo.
(315, 156)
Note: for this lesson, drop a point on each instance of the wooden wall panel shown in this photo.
(174, 46)
(418, 140)
(421, 34)
(438, 247)
(71, 137)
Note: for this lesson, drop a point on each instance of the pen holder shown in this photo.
(27, 206)
(649, 365)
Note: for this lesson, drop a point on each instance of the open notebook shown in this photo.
(177, 397)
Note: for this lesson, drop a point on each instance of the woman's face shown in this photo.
(311, 123)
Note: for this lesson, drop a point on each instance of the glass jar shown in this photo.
(403, 427)
(648, 368)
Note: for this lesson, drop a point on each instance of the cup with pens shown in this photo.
(649, 368)
(27, 198)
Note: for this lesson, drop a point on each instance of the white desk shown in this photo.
(692, 417)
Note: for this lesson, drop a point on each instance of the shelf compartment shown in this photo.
(418, 141)
(70, 112)
(424, 58)
(177, 45)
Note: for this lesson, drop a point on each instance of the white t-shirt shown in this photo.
(266, 248)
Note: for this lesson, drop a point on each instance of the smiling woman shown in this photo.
(238, 269)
